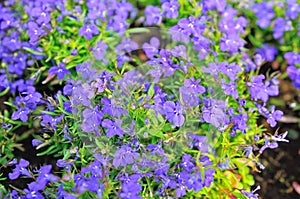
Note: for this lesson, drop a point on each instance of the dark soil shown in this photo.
(282, 168)
(282, 164)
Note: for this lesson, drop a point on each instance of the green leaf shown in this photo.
(4, 92)
(52, 149)
(156, 133)
(137, 30)
(32, 51)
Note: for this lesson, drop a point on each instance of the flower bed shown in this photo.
(141, 99)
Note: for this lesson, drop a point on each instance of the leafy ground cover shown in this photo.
(148, 99)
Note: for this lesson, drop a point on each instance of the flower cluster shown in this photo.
(168, 115)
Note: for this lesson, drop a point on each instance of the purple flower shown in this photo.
(36, 142)
(251, 194)
(32, 98)
(100, 50)
(113, 128)
(87, 72)
(47, 119)
(274, 116)
(20, 170)
(292, 57)
(174, 113)
(118, 24)
(215, 4)
(42, 15)
(192, 25)
(268, 52)
(180, 191)
(230, 89)
(34, 32)
(59, 70)
(21, 113)
(127, 45)
(231, 70)
(268, 144)
(64, 164)
(171, 8)
(231, 43)
(209, 177)
(88, 30)
(199, 142)
(44, 177)
(82, 95)
(195, 181)
(7, 21)
(189, 98)
(111, 108)
(91, 120)
(261, 90)
(293, 9)
(279, 27)
(153, 15)
(124, 156)
(180, 34)
(32, 194)
(187, 163)
(294, 74)
(214, 112)
(12, 43)
(280, 138)
(264, 12)
(156, 148)
(130, 191)
(151, 48)
(74, 52)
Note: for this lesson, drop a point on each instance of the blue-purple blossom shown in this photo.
(151, 48)
(91, 120)
(100, 50)
(49, 120)
(215, 4)
(260, 90)
(293, 9)
(112, 128)
(268, 144)
(21, 113)
(251, 194)
(274, 116)
(187, 163)
(170, 8)
(292, 57)
(130, 191)
(59, 70)
(214, 112)
(294, 74)
(268, 52)
(280, 138)
(20, 170)
(44, 176)
(34, 32)
(200, 142)
(88, 30)
(12, 43)
(264, 12)
(124, 156)
(127, 45)
(174, 113)
(195, 181)
(111, 108)
(279, 27)
(153, 15)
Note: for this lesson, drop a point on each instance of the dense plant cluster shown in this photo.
(142, 99)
